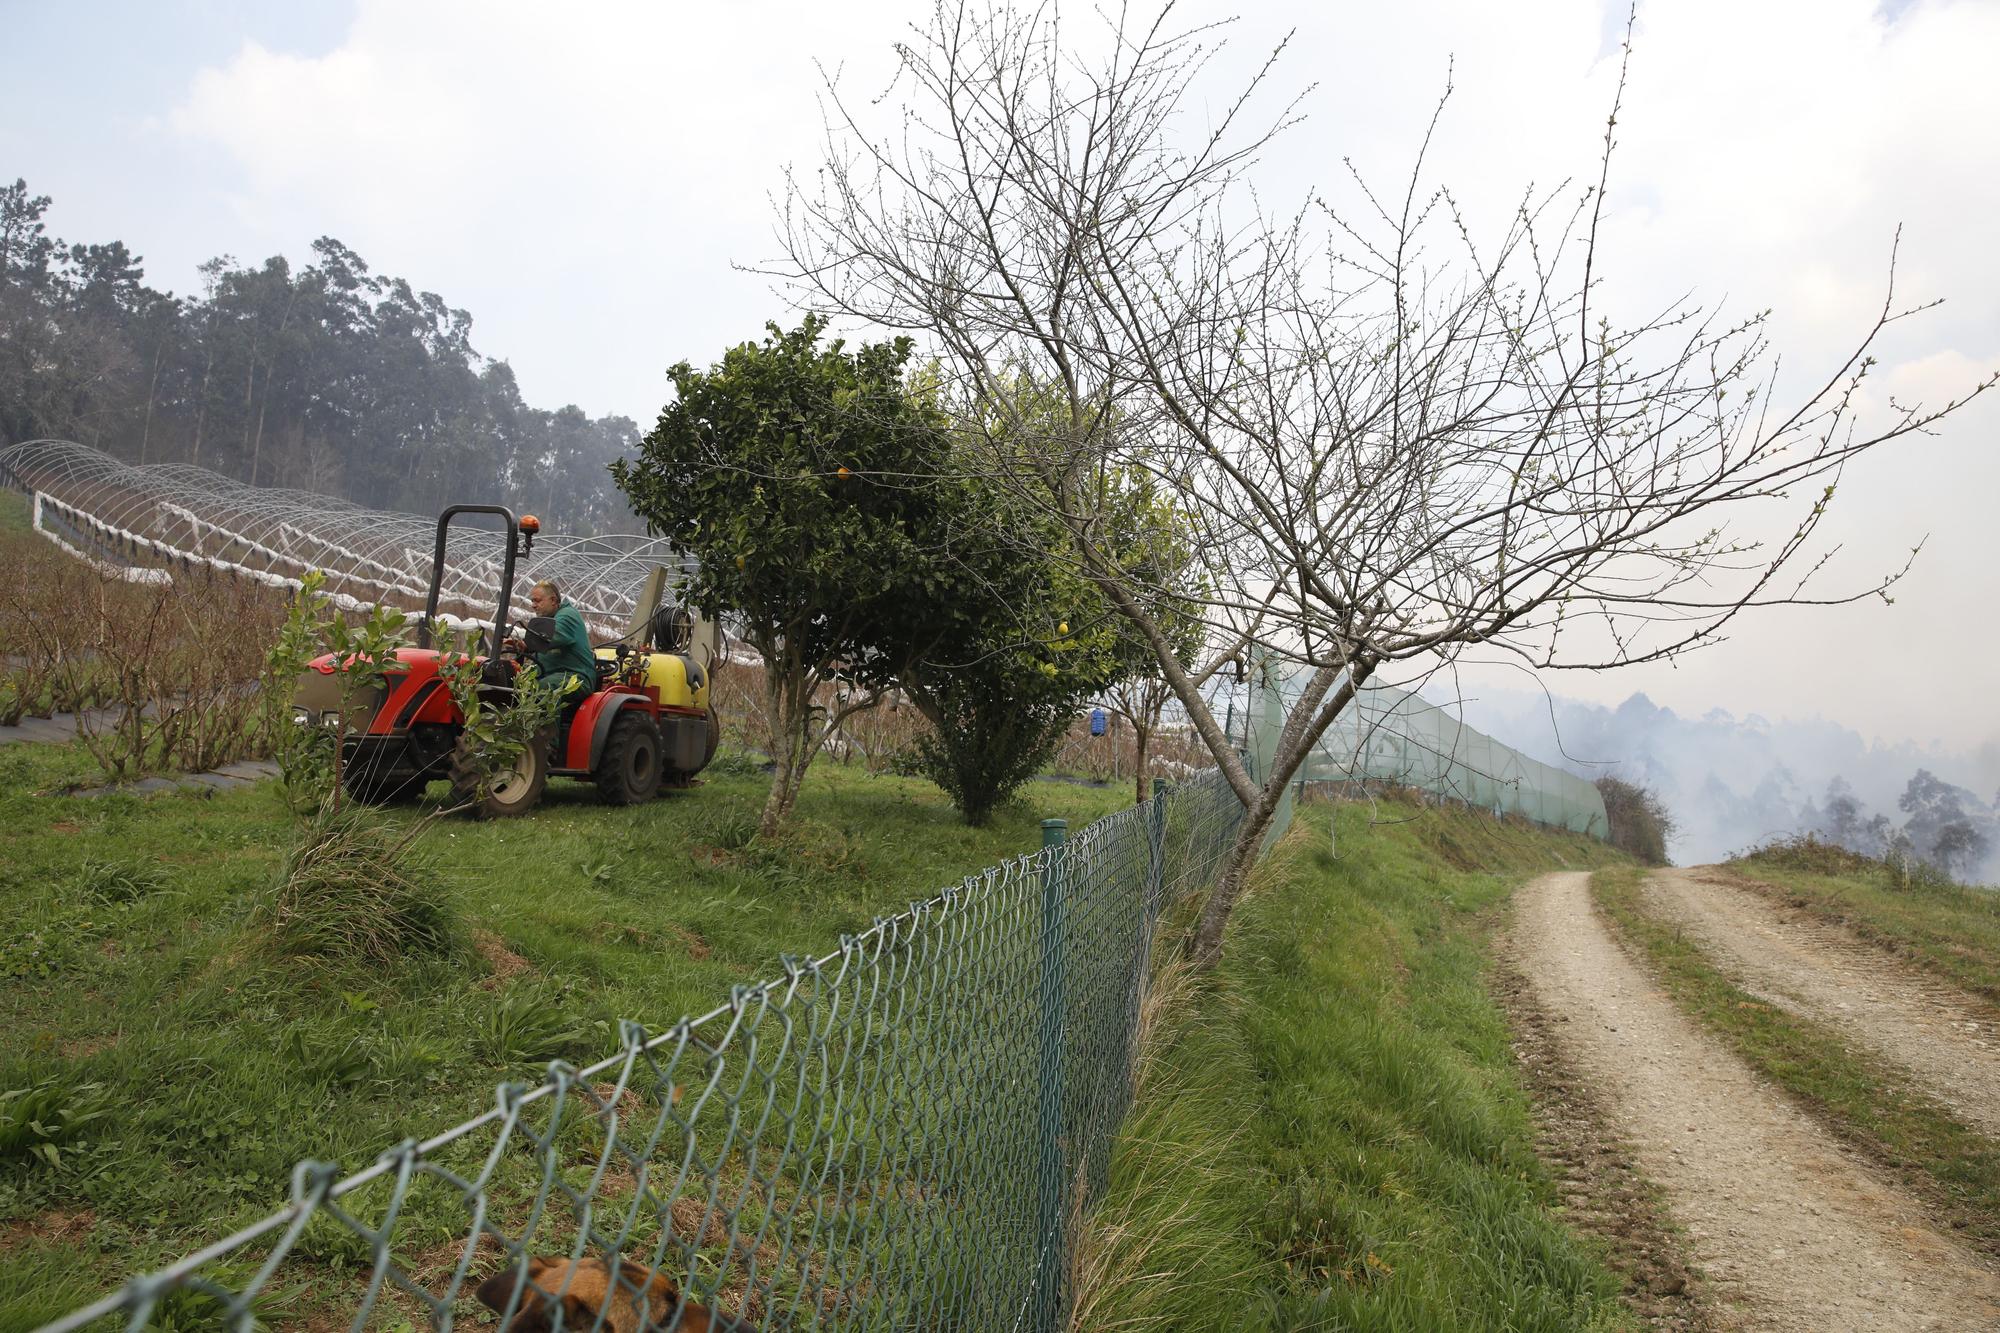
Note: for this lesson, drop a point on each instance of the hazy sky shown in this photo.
(582, 178)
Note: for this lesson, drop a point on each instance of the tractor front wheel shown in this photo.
(514, 792)
(630, 770)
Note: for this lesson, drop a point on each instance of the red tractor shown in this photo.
(647, 723)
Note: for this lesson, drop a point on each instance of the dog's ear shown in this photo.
(579, 1316)
(497, 1292)
(654, 1296)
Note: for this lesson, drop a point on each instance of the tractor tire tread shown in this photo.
(633, 734)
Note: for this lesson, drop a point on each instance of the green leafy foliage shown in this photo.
(1640, 821)
(806, 483)
(1038, 638)
(40, 1122)
(500, 722)
(310, 753)
(526, 1026)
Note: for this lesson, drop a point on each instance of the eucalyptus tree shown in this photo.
(1393, 437)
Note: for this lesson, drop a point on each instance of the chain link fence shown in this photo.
(902, 1134)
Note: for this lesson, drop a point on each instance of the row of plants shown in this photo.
(161, 676)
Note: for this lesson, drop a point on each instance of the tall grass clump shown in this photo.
(1172, 1244)
(353, 889)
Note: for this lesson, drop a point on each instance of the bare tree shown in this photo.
(1395, 439)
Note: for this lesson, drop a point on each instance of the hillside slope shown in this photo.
(1332, 1133)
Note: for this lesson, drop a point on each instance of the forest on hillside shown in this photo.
(1734, 783)
(329, 378)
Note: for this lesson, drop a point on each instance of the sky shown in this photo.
(593, 181)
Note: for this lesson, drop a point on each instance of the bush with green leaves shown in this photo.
(1002, 682)
(499, 724)
(310, 756)
(807, 484)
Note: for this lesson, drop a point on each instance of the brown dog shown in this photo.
(638, 1302)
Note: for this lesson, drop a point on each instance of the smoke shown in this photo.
(1732, 783)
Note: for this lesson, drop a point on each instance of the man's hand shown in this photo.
(514, 646)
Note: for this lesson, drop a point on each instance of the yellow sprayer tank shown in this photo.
(670, 673)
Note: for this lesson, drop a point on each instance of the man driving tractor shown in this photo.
(569, 666)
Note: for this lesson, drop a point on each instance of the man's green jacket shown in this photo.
(570, 666)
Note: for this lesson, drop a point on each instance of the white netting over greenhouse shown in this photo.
(142, 520)
(1392, 736)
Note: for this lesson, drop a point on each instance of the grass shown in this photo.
(1865, 1101)
(16, 512)
(1333, 1134)
(1950, 929)
(139, 987)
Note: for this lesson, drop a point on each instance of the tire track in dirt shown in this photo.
(1794, 1233)
(1945, 1040)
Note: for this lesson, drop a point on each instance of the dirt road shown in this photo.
(1946, 1041)
(1792, 1230)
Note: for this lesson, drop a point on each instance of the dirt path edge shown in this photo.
(1605, 1195)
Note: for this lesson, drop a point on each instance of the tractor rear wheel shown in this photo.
(714, 736)
(630, 770)
(514, 792)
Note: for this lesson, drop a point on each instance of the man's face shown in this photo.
(545, 602)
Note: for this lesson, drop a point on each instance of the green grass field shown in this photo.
(142, 1001)
(1332, 1134)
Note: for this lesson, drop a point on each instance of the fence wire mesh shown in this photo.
(901, 1134)
(1393, 736)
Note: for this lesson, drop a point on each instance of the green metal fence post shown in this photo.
(1156, 876)
(1054, 1256)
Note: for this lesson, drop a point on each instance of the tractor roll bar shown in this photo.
(437, 569)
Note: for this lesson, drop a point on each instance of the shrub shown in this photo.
(180, 664)
(982, 748)
(353, 890)
(1640, 824)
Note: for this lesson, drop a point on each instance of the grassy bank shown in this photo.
(1949, 929)
(1866, 1101)
(191, 1066)
(1331, 1132)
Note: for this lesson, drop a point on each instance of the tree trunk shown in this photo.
(152, 390)
(1141, 736)
(1206, 946)
(201, 397)
(264, 404)
(788, 700)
